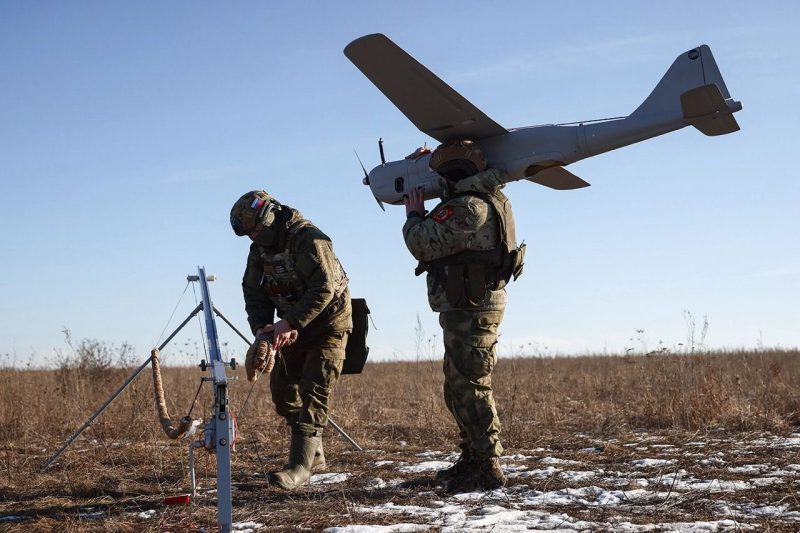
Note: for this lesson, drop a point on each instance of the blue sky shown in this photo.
(128, 129)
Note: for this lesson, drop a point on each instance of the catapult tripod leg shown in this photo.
(117, 393)
(230, 325)
(341, 432)
(345, 436)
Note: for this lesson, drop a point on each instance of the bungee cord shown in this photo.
(185, 424)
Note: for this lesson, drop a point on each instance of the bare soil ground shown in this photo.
(668, 443)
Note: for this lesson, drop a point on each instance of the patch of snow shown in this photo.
(765, 481)
(328, 478)
(429, 454)
(425, 466)
(89, 513)
(146, 515)
(535, 473)
(647, 463)
(381, 463)
(677, 482)
(516, 457)
(593, 449)
(787, 443)
(769, 510)
(378, 483)
(451, 518)
(578, 475)
(508, 469)
(711, 461)
(710, 526)
(748, 469)
(394, 528)
(557, 461)
(246, 527)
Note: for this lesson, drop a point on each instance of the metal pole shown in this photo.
(223, 433)
(353, 443)
(219, 314)
(117, 392)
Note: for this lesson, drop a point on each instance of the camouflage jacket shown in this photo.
(463, 222)
(302, 281)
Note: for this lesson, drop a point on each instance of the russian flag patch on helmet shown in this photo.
(257, 203)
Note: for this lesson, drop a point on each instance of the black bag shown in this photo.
(357, 350)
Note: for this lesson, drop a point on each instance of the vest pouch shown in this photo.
(517, 261)
(455, 285)
(466, 285)
(356, 351)
(476, 284)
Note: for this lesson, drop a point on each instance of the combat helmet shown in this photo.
(456, 160)
(254, 210)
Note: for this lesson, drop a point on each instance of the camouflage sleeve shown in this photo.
(486, 181)
(321, 271)
(259, 308)
(447, 230)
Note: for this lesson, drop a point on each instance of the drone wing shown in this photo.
(432, 105)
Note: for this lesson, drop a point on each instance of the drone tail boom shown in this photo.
(691, 93)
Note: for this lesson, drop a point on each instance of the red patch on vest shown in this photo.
(443, 214)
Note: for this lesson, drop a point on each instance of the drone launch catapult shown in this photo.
(219, 432)
(691, 93)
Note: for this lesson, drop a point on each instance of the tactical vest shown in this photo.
(466, 276)
(281, 281)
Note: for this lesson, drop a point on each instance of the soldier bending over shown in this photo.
(292, 269)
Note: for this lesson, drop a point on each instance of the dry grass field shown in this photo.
(628, 443)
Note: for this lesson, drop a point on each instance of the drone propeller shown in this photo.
(365, 181)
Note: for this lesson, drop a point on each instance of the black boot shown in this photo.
(489, 475)
(460, 467)
(480, 475)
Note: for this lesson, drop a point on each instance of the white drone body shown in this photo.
(691, 93)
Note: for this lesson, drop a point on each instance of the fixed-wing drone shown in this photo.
(691, 93)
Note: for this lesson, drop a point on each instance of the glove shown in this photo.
(260, 358)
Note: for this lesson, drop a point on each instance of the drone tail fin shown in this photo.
(693, 92)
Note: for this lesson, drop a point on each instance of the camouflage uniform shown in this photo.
(301, 279)
(455, 237)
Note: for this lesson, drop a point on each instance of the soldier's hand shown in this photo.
(284, 334)
(260, 357)
(415, 201)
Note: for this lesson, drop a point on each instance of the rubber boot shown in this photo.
(301, 456)
(319, 464)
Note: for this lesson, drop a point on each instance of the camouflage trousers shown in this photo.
(304, 378)
(470, 338)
